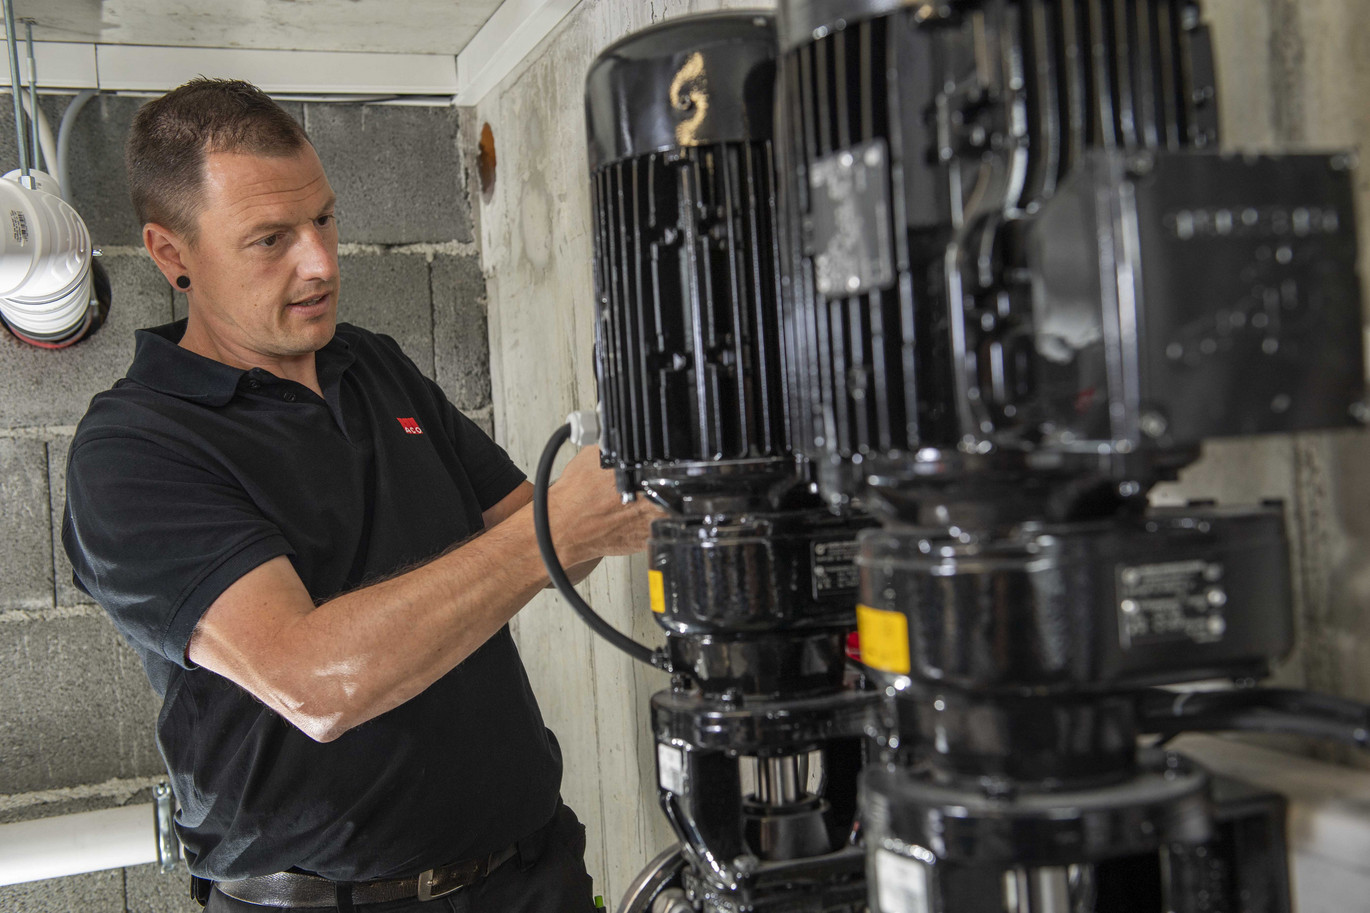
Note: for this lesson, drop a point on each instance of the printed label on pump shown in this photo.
(901, 883)
(670, 768)
(656, 589)
(1171, 602)
(835, 573)
(884, 639)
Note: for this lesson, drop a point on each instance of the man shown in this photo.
(267, 506)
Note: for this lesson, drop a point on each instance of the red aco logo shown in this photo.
(409, 425)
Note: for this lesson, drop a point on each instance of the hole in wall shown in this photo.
(94, 316)
(485, 162)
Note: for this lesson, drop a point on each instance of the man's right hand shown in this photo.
(587, 514)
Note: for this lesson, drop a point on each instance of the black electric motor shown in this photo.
(759, 741)
(1024, 285)
(1021, 254)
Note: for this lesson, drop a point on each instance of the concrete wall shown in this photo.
(76, 712)
(1292, 71)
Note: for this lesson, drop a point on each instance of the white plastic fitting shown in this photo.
(46, 283)
(584, 427)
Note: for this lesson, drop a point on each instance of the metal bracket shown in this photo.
(168, 844)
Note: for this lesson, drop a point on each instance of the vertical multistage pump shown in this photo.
(981, 270)
(1027, 285)
(753, 578)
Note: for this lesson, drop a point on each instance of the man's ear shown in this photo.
(168, 251)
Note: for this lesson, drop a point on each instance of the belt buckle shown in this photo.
(462, 878)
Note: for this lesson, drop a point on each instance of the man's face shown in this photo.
(264, 267)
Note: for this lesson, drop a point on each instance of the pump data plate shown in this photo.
(849, 221)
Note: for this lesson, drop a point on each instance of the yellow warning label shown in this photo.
(656, 587)
(884, 639)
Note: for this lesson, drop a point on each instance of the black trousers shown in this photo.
(553, 880)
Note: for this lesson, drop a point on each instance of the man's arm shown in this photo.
(330, 667)
(510, 504)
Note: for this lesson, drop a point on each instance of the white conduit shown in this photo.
(64, 131)
(45, 273)
(72, 844)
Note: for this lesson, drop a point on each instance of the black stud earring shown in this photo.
(183, 282)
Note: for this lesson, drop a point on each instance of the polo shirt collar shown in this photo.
(160, 363)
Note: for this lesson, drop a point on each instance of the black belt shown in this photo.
(295, 889)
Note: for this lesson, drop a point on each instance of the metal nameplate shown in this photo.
(834, 567)
(849, 221)
(1170, 602)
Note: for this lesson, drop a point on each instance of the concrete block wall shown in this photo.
(76, 712)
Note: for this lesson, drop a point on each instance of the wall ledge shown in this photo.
(139, 69)
(1329, 813)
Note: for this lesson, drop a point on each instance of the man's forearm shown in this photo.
(450, 607)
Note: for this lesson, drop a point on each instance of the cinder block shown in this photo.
(68, 593)
(99, 187)
(148, 890)
(96, 892)
(26, 546)
(52, 808)
(461, 339)
(396, 171)
(54, 387)
(388, 293)
(77, 706)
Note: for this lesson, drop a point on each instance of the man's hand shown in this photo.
(588, 517)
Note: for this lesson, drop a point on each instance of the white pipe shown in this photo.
(64, 131)
(33, 95)
(113, 838)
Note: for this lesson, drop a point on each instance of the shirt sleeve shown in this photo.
(493, 474)
(155, 538)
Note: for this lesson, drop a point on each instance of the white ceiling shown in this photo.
(395, 26)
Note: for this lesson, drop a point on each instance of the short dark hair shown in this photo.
(172, 135)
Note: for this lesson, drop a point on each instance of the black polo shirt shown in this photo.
(188, 474)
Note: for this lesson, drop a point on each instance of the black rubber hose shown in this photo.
(543, 528)
(1270, 710)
